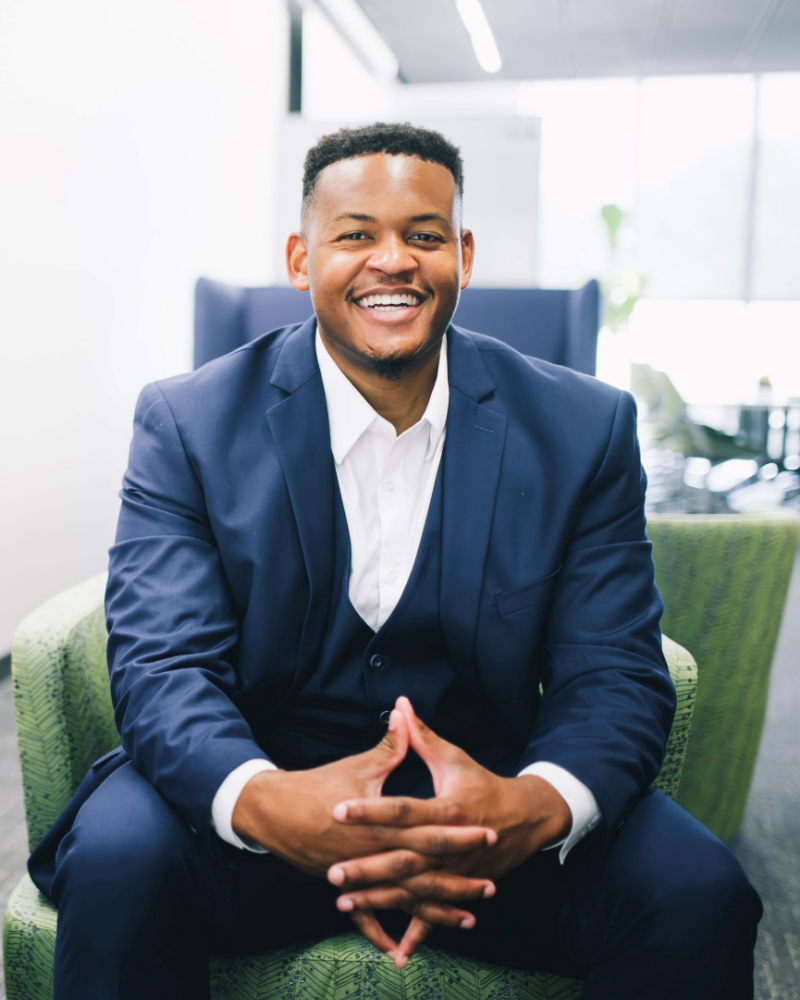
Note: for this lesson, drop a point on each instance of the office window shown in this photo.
(588, 160)
(717, 351)
(694, 174)
(776, 243)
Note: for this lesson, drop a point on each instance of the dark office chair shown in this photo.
(556, 325)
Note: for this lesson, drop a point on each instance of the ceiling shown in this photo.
(570, 38)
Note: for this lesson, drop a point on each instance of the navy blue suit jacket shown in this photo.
(220, 574)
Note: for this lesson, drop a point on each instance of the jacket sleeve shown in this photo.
(608, 699)
(172, 627)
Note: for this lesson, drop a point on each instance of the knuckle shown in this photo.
(381, 833)
(440, 843)
(428, 884)
(403, 865)
(399, 810)
(449, 813)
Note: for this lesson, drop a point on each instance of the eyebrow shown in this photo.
(358, 216)
(425, 217)
(428, 217)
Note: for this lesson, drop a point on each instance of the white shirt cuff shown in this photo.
(226, 798)
(581, 801)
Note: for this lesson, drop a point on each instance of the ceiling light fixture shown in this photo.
(471, 13)
(356, 27)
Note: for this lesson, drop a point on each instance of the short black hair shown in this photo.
(395, 139)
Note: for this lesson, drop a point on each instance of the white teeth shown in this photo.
(381, 301)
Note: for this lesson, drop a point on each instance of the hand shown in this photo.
(291, 814)
(527, 813)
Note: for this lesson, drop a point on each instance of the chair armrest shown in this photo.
(683, 671)
(62, 699)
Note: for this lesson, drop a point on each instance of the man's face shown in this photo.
(382, 227)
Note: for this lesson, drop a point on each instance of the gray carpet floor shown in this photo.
(768, 845)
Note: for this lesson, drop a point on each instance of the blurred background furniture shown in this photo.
(724, 580)
(671, 427)
(557, 325)
(65, 721)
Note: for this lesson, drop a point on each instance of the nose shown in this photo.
(392, 256)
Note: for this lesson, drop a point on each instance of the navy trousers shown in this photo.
(665, 911)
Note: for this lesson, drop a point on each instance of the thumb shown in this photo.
(435, 752)
(391, 750)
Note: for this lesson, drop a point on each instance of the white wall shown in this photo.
(138, 152)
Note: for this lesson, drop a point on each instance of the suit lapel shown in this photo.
(299, 431)
(472, 459)
(297, 427)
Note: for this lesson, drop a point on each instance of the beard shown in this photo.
(391, 369)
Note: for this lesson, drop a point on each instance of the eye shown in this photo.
(354, 237)
(427, 238)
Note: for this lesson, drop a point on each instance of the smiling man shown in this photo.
(384, 646)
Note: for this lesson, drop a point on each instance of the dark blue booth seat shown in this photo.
(553, 324)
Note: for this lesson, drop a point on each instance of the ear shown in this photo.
(297, 261)
(467, 242)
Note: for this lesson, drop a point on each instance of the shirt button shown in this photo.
(384, 717)
(391, 577)
(390, 486)
(377, 661)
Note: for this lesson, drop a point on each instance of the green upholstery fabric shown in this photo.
(340, 968)
(724, 580)
(65, 721)
(64, 716)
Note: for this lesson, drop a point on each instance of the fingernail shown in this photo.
(340, 812)
(345, 905)
(467, 923)
(488, 891)
(491, 838)
(401, 961)
(393, 720)
(336, 875)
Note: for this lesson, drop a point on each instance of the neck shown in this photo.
(403, 401)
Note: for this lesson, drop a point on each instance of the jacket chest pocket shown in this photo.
(529, 596)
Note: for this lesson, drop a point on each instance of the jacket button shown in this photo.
(377, 661)
(384, 717)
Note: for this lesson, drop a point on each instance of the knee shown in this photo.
(682, 875)
(703, 900)
(714, 885)
(125, 846)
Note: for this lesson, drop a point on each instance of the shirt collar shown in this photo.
(349, 414)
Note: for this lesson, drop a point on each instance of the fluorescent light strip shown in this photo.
(361, 33)
(471, 13)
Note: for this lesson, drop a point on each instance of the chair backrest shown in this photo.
(724, 580)
(557, 325)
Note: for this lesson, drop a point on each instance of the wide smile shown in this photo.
(390, 306)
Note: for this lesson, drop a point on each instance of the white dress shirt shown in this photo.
(386, 481)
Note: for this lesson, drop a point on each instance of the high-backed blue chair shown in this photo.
(557, 325)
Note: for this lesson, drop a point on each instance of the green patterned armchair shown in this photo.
(65, 721)
(724, 579)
